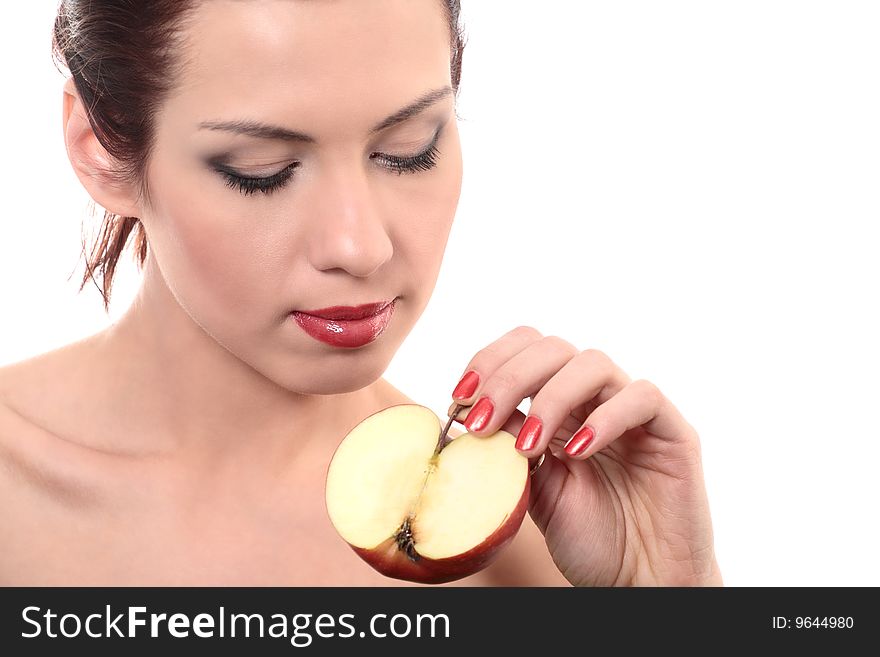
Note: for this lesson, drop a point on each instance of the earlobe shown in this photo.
(91, 162)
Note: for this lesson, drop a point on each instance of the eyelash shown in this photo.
(266, 185)
(421, 162)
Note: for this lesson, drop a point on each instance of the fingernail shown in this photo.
(579, 442)
(467, 386)
(478, 416)
(529, 434)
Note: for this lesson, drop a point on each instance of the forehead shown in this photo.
(327, 63)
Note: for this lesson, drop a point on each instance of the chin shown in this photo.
(321, 376)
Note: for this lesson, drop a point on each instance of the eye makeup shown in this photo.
(423, 161)
(398, 164)
(248, 185)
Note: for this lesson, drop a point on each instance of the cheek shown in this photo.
(427, 220)
(211, 254)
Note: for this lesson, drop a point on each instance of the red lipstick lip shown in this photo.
(347, 333)
(348, 312)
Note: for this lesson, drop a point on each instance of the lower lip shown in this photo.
(347, 333)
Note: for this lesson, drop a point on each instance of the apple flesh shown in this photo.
(420, 510)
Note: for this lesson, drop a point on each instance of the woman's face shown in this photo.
(351, 225)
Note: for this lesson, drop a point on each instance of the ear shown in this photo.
(91, 161)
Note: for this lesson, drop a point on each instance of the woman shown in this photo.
(269, 158)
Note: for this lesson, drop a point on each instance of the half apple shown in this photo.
(419, 509)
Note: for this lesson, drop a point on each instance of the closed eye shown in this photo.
(248, 185)
(399, 164)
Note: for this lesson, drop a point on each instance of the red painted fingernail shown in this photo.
(478, 416)
(579, 442)
(529, 434)
(467, 386)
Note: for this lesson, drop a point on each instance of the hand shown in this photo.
(620, 496)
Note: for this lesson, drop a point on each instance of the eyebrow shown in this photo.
(266, 131)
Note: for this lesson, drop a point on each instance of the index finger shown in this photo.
(486, 361)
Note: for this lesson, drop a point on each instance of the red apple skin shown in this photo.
(391, 561)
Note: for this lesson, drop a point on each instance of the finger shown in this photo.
(522, 375)
(638, 404)
(486, 361)
(589, 375)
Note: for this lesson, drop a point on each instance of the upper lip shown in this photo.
(348, 312)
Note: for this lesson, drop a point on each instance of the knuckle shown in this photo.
(505, 380)
(483, 355)
(598, 360)
(526, 332)
(564, 347)
(596, 355)
(648, 389)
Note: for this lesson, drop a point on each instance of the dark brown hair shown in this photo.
(121, 56)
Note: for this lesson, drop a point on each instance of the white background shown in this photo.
(691, 187)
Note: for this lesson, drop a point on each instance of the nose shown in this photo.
(348, 231)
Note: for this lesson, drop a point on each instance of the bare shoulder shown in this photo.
(36, 396)
(47, 393)
(12, 423)
(17, 450)
(25, 390)
(20, 435)
(34, 383)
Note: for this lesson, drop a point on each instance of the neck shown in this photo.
(183, 395)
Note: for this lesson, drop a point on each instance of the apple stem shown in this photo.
(444, 439)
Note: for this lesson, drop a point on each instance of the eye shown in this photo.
(247, 185)
(423, 161)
